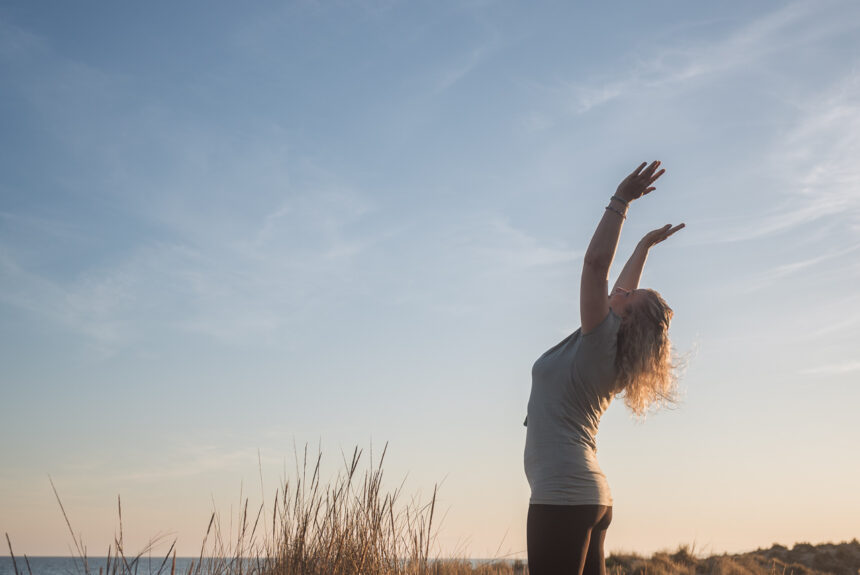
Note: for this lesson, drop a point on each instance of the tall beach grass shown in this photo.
(347, 526)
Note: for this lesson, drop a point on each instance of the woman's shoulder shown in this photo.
(608, 326)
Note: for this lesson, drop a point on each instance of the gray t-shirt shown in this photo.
(572, 385)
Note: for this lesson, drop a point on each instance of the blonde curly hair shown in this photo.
(647, 371)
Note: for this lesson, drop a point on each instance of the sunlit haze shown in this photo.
(228, 230)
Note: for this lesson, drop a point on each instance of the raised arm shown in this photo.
(630, 275)
(593, 292)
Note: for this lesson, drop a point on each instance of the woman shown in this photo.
(622, 346)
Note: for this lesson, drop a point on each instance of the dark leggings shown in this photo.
(567, 539)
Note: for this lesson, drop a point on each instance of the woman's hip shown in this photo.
(568, 518)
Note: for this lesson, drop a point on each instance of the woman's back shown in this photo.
(572, 386)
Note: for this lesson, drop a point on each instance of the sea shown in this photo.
(74, 566)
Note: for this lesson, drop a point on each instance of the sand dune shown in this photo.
(802, 559)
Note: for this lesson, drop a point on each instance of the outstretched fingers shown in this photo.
(641, 180)
(668, 230)
(657, 175)
(649, 172)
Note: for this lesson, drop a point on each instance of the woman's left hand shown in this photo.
(654, 237)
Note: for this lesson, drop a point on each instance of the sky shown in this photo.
(229, 232)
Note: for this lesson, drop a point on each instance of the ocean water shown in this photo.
(73, 566)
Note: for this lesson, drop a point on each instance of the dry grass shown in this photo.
(802, 559)
(350, 526)
(345, 527)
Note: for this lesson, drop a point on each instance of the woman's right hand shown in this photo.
(638, 183)
(654, 237)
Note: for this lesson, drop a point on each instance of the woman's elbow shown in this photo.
(596, 262)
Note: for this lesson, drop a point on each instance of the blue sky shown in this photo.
(224, 231)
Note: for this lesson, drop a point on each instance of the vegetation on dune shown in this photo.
(802, 559)
(351, 526)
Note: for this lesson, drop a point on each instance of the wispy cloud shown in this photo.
(789, 269)
(813, 166)
(85, 306)
(743, 229)
(821, 153)
(17, 44)
(782, 272)
(176, 459)
(674, 67)
(225, 279)
(847, 323)
(834, 369)
(448, 77)
(222, 295)
(471, 253)
(501, 245)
